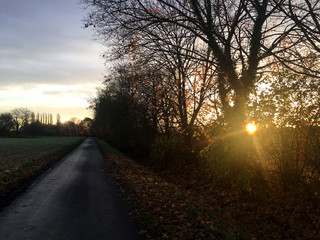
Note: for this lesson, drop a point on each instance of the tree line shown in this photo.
(189, 75)
(22, 122)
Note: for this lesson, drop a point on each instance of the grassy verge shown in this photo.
(23, 158)
(106, 148)
(163, 210)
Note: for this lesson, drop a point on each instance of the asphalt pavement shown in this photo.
(74, 200)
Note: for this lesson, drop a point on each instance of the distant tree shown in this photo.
(50, 119)
(45, 118)
(6, 124)
(34, 129)
(40, 118)
(58, 124)
(22, 117)
(85, 126)
(121, 117)
(58, 119)
(33, 117)
(70, 128)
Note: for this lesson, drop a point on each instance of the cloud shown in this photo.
(76, 90)
(42, 42)
(48, 63)
(53, 93)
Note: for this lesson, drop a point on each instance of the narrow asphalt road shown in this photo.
(74, 200)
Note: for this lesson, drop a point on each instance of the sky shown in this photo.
(49, 63)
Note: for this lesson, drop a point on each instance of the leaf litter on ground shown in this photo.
(164, 210)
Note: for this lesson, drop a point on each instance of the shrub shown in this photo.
(167, 151)
(230, 157)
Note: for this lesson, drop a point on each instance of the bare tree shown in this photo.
(244, 37)
(6, 124)
(50, 117)
(22, 117)
(306, 14)
(58, 119)
(188, 72)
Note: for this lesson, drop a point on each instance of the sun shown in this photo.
(251, 128)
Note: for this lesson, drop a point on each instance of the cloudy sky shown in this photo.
(48, 62)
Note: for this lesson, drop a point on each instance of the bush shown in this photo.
(167, 152)
(283, 146)
(312, 151)
(231, 158)
(220, 162)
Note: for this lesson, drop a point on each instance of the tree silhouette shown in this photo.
(6, 124)
(245, 38)
(22, 117)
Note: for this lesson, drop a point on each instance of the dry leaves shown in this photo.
(165, 211)
(194, 209)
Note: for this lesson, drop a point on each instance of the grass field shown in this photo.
(22, 158)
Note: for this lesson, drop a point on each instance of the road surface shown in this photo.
(74, 200)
